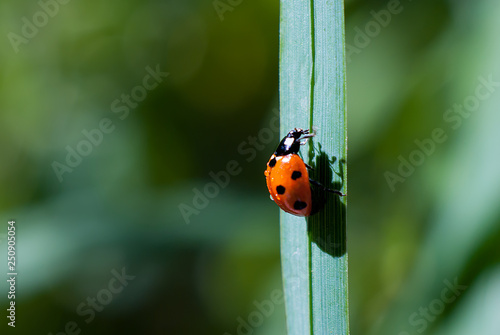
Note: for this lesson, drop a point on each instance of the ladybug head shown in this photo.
(290, 144)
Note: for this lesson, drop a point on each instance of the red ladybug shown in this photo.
(287, 177)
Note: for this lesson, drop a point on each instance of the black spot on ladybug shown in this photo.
(296, 175)
(272, 162)
(280, 189)
(298, 205)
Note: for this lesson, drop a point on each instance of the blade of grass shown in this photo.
(328, 231)
(312, 95)
(295, 103)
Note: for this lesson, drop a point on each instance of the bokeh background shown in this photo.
(433, 225)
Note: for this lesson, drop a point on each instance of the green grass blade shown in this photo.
(295, 103)
(312, 95)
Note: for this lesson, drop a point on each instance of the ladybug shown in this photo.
(287, 177)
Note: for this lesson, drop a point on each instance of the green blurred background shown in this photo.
(120, 207)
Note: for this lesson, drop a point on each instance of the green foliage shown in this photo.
(312, 95)
(119, 207)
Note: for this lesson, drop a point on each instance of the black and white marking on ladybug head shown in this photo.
(288, 141)
(291, 143)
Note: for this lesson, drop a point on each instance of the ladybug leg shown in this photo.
(308, 166)
(309, 134)
(306, 135)
(304, 139)
(314, 182)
